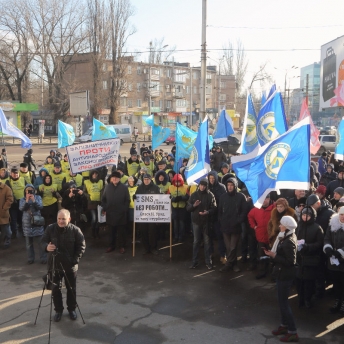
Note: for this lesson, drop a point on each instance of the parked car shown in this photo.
(230, 146)
(327, 143)
(171, 138)
(328, 130)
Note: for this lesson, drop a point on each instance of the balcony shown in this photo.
(179, 95)
(154, 94)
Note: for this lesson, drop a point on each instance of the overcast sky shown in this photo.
(273, 31)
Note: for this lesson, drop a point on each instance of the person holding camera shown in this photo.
(66, 243)
(32, 222)
(74, 199)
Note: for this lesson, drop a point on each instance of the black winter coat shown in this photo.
(323, 217)
(208, 203)
(115, 202)
(285, 259)
(232, 212)
(217, 189)
(332, 186)
(70, 244)
(309, 259)
(147, 189)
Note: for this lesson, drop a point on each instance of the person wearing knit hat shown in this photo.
(329, 175)
(321, 190)
(292, 202)
(282, 209)
(301, 203)
(337, 194)
(283, 255)
(339, 182)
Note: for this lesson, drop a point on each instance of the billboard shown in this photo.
(332, 74)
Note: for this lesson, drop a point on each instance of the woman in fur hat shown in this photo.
(282, 209)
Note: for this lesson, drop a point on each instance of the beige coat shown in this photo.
(6, 199)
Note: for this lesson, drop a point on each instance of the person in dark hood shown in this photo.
(329, 175)
(310, 237)
(171, 174)
(132, 165)
(148, 230)
(219, 157)
(202, 205)
(29, 159)
(322, 163)
(232, 212)
(162, 181)
(339, 182)
(54, 156)
(31, 205)
(75, 201)
(179, 193)
(39, 180)
(48, 191)
(217, 190)
(93, 192)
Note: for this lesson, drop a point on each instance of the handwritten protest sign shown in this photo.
(152, 208)
(90, 155)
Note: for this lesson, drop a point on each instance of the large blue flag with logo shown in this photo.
(150, 120)
(185, 139)
(271, 121)
(281, 164)
(339, 151)
(8, 128)
(100, 131)
(159, 135)
(66, 135)
(249, 139)
(224, 127)
(199, 161)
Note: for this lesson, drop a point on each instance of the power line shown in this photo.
(272, 28)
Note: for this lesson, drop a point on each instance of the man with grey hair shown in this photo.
(65, 244)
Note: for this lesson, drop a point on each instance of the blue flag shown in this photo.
(159, 135)
(282, 163)
(9, 129)
(150, 120)
(199, 161)
(339, 151)
(263, 100)
(100, 131)
(66, 135)
(224, 127)
(185, 139)
(271, 121)
(249, 138)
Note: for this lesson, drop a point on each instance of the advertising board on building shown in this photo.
(154, 208)
(90, 155)
(332, 74)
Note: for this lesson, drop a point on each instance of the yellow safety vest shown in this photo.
(49, 167)
(94, 189)
(178, 191)
(47, 192)
(164, 188)
(150, 167)
(78, 179)
(86, 174)
(124, 179)
(133, 167)
(192, 188)
(57, 179)
(132, 191)
(27, 176)
(64, 165)
(18, 187)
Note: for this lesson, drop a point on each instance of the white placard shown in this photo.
(152, 208)
(91, 155)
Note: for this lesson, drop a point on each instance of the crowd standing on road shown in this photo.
(297, 236)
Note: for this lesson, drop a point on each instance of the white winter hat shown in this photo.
(288, 222)
(341, 210)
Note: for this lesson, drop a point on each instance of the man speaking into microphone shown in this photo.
(66, 245)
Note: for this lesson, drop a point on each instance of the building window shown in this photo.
(104, 67)
(129, 69)
(161, 104)
(138, 71)
(222, 97)
(222, 84)
(181, 103)
(130, 87)
(169, 73)
(169, 104)
(105, 85)
(187, 89)
(155, 71)
(208, 90)
(139, 103)
(152, 103)
(123, 101)
(195, 89)
(130, 103)
(138, 86)
(155, 86)
(179, 75)
(195, 75)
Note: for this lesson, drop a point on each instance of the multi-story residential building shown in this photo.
(173, 90)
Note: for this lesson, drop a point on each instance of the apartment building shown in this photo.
(172, 88)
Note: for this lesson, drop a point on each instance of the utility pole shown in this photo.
(219, 91)
(149, 79)
(203, 62)
(191, 106)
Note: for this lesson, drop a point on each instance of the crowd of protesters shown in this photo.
(296, 236)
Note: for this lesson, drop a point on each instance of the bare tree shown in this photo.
(261, 75)
(159, 51)
(235, 63)
(120, 12)
(16, 49)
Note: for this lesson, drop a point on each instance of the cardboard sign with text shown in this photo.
(152, 208)
(91, 155)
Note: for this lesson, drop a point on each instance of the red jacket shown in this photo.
(260, 218)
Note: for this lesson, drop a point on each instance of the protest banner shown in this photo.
(91, 155)
(152, 208)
